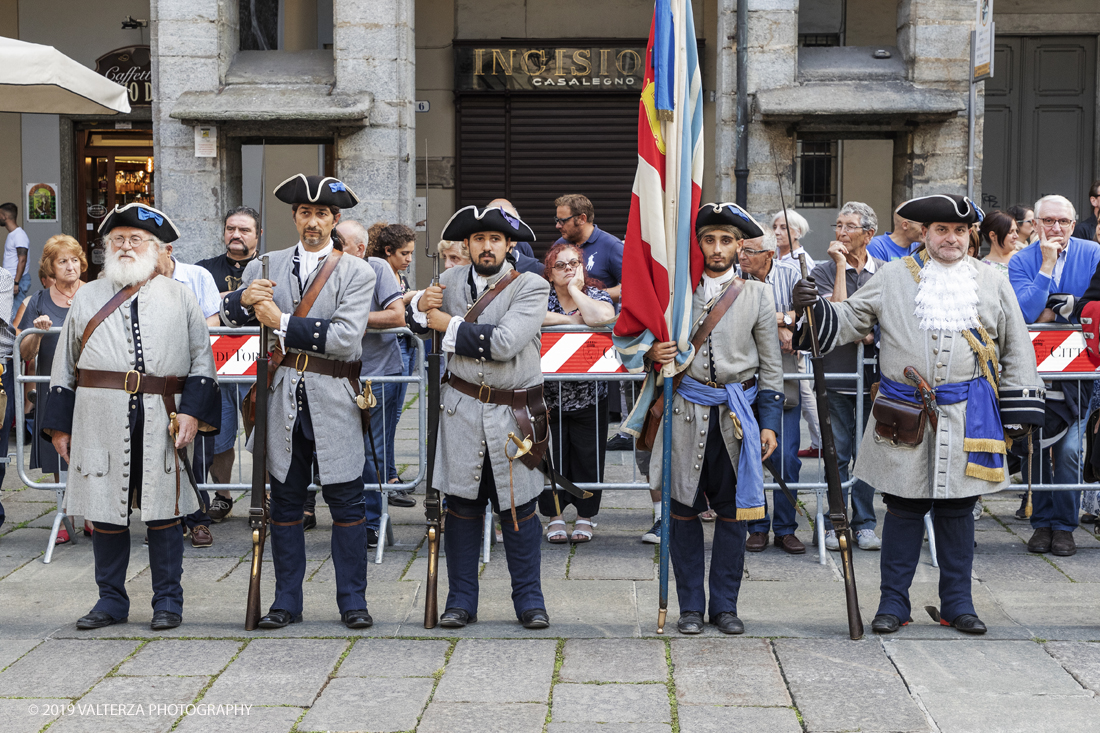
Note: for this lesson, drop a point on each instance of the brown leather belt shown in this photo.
(490, 395)
(303, 362)
(746, 385)
(131, 382)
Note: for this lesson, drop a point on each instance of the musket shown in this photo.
(257, 512)
(837, 511)
(432, 500)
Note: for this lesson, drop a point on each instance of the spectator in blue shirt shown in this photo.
(896, 244)
(603, 252)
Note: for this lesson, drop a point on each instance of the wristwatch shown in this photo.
(787, 320)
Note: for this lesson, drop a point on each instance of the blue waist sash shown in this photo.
(750, 471)
(983, 437)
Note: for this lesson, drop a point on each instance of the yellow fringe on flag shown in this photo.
(747, 515)
(984, 445)
(665, 115)
(985, 473)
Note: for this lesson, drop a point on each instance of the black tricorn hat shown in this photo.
(943, 207)
(141, 216)
(728, 215)
(470, 220)
(322, 190)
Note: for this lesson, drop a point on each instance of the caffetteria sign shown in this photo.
(129, 67)
(482, 67)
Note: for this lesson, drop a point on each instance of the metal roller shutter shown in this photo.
(531, 149)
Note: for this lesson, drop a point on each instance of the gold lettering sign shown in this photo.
(504, 66)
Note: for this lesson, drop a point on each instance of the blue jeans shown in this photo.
(785, 458)
(379, 424)
(409, 355)
(1058, 509)
(24, 287)
(8, 382)
(842, 409)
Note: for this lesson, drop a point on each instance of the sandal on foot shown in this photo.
(582, 535)
(556, 536)
(62, 537)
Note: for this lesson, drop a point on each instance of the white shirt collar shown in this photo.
(869, 266)
(713, 285)
(307, 261)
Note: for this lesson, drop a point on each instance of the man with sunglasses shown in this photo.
(603, 252)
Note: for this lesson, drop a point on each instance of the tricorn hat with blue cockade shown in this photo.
(141, 216)
(728, 215)
(948, 208)
(471, 220)
(322, 190)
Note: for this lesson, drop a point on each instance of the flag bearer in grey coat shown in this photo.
(133, 380)
(493, 388)
(725, 416)
(315, 387)
(955, 356)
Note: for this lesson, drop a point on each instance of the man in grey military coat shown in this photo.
(314, 424)
(959, 327)
(125, 395)
(493, 388)
(718, 441)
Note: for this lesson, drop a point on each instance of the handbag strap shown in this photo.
(112, 305)
(314, 288)
(487, 297)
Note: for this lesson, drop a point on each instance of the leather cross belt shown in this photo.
(491, 395)
(302, 362)
(131, 382)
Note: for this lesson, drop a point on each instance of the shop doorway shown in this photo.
(114, 168)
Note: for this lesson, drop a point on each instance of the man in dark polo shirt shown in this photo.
(603, 252)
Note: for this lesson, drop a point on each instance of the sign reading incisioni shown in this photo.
(568, 68)
(129, 67)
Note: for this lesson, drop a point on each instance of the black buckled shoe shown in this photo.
(534, 618)
(887, 623)
(1040, 540)
(357, 619)
(967, 623)
(728, 623)
(97, 620)
(456, 618)
(277, 618)
(164, 620)
(690, 622)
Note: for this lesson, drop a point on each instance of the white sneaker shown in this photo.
(868, 540)
(831, 542)
(978, 508)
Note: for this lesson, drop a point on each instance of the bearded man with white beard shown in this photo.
(133, 380)
(958, 380)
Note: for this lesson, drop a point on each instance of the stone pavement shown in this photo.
(599, 667)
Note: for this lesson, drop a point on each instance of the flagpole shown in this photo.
(666, 503)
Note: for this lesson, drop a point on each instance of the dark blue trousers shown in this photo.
(785, 458)
(111, 550)
(902, 536)
(718, 485)
(288, 539)
(522, 549)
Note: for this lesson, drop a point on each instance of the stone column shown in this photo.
(192, 42)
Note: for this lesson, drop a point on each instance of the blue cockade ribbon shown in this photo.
(983, 436)
(144, 214)
(510, 219)
(750, 471)
(337, 186)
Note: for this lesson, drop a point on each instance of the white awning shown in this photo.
(41, 79)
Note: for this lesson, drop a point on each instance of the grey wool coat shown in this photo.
(935, 469)
(174, 341)
(470, 430)
(744, 344)
(334, 329)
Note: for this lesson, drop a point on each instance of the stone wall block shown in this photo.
(184, 74)
(182, 159)
(172, 133)
(765, 5)
(771, 30)
(189, 10)
(770, 69)
(187, 38)
(370, 12)
(370, 75)
(383, 42)
(371, 178)
(373, 142)
(191, 192)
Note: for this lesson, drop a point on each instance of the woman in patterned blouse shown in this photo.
(578, 410)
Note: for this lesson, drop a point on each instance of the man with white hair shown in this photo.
(1048, 276)
(898, 243)
(132, 383)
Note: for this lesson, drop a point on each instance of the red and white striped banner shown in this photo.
(235, 355)
(1061, 351)
(579, 353)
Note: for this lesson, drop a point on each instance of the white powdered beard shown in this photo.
(123, 273)
(947, 297)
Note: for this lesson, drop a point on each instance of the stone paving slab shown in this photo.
(29, 716)
(181, 658)
(255, 720)
(394, 658)
(617, 556)
(346, 704)
(28, 511)
(774, 564)
(278, 672)
(84, 662)
(13, 649)
(553, 561)
(1033, 714)
(391, 569)
(115, 704)
(1016, 568)
(609, 728)
(613, 660)
(19, 547)
(611, 703)
(999, 542)
(451, 717)
(494, 671)
(725, 671)
(816, 668)
(1051, 611)
(1082, 660)
(712, 719)
(1084, 567)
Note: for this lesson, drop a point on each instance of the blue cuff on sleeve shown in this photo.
(202, 400)
(769, 409)
(473, 340)
(233, 311)
(307, 334)
(59, 411)
(827, 326)
(411, 322)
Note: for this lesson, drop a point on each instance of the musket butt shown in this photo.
(661, 615)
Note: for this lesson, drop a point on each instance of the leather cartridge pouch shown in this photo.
(529, 409)
(900, 422)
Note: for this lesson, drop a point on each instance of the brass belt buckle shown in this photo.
(712, 385)
(126, 382)
(489, 393)
(298, 358)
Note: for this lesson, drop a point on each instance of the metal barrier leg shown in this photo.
(385, 532)
(487, 533)
(819, 527)
(931, 538)
(57, 521)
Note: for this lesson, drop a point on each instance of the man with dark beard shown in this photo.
(132, 381)
(955, 350)
(725, 415)
(490, 316)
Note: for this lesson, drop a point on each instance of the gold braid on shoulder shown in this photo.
(986, 353)
(914, 267)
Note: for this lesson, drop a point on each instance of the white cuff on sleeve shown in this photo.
(451, 335)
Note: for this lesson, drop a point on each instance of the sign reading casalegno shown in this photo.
(499, 67)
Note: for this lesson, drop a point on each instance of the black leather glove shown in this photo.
(1018, 432)
(804, 294)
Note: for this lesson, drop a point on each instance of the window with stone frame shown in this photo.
(816, 179)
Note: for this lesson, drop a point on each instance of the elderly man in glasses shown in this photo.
(1048, 276)
(848, 269)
